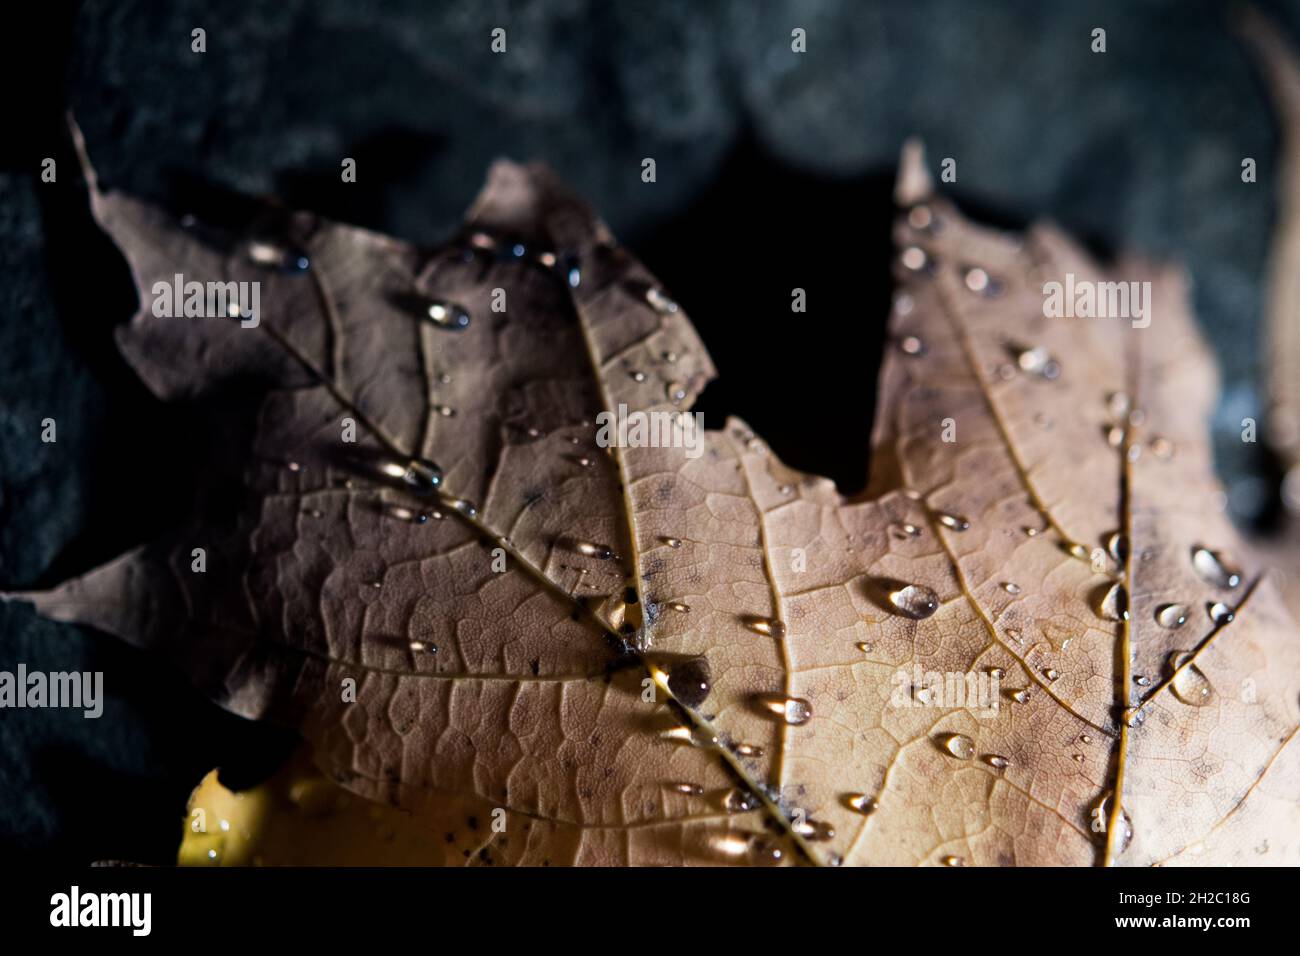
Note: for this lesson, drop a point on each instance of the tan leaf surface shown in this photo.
(1080, 465)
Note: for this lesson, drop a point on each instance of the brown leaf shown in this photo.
(778, 623)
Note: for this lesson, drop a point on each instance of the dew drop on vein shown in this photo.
(1113, 604)
(1221, 613)
(1190, 685)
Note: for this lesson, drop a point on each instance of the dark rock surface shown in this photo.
(773, 169)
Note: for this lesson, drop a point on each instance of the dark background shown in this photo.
(774, 171)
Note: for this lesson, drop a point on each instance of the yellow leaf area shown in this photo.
(299, 817)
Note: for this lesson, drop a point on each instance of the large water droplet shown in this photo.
(1190, 685)
(958, 745)
(1213, 568)
(690, 681)
(1171, 615)
(914, 600)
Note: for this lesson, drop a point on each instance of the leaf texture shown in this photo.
(772, 617)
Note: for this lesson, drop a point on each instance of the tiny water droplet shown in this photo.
(915, 601)
(675, 391)
(1221, 613)
(1117, 403)
(1051, 674)
(977, 280)
(672, 542)
(911, 345)
(447, 315)
(636, 376)
(1117, 546)
(446, 411)
(1171, 615)
(1190, 685)
(1133, 716)
(736, 800)
(953, 861)
(793, 710)
(1142, 681)
(1031, 532)
(997, 761)
(904, 530)
(955, 522)
(659, 301)
(1020, 696)
(678, 606)
(914, 258)
(816, 831)
(419, 473)
(862, 803)
(959, 746)
(748, 750)
(464, 506)
(690, 789)
(423, 647)
(406, 514)
(281, 256)
(588, 549)
(866, 647)
(767, 626)
(920, 217)
(997, 673)
(1010, 588)
(1162, 448)
(1213, 568)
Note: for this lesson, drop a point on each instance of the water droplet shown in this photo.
(281, 256)
(1117, 403)
(955, 522)
(446, 411)
(736, 800)
(953, 861)
(1085, 738)
(997, 761)
(958, 745)
(1162, 448)
(588, 549)
(1052, 674)
(767, 626)
(678, 606)
(1010, 588)
(866, 647)
(1221, 613)
(675, 391)
(914, 600)
(420, 473)
(465, 507)
(1117, 546)
(911, 345)
(748, 750)
(763, 850)
(997, 673)
(1020, 696)
(690, 789)
(1171, 615)
(816, 831)
(423, 647)
(660, 302)
(904, 530)
(1190, 685)
(1133, 716)
(1213, 568)
(977, 280)
(406, 514)
(1142, 681)
(672, 542)
(793, 710)
(862, 803)
(920, 217)
(914, 258)
(447, 315)
(1033, 360)
(690, 681)
(1032, 532)
(1113, 603)
(636, 376)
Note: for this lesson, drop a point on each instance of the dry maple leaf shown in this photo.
(694, 659)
